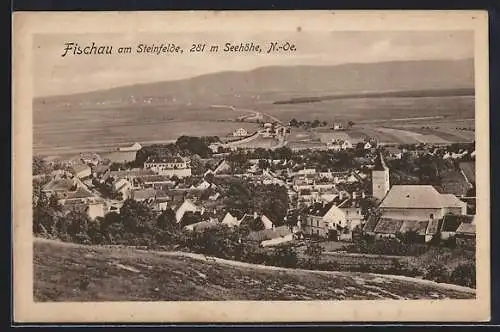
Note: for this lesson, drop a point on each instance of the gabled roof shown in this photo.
(451, 222)
(418, 196)
(63, 184)
(143, 194)
(466, 229)
(388, 226)
(168, 159)
(469, 170)
(318, 209)
(268, 234)
(371, 223)
(80, 167)
(80, 192)
(418, 226)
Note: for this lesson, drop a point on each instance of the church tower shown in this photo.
(380, 178)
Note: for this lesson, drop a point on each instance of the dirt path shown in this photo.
(267, 267)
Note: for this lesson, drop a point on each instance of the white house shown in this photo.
(133, 147)
(230, 221)
(240, 132)
(368, 146)
(169, 166)
(124, 187)
(186, 206)
(82, 171)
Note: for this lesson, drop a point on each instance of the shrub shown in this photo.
(437, 273)
(464, 275)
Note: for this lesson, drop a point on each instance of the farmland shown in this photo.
(163, 111)
(70, 272)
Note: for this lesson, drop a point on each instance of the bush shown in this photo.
(464, 275)
(284, 256)
(437, 273)
(392, 247)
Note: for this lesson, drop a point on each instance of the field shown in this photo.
(69, 272)
(74, 129)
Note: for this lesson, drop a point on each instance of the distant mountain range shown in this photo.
(271, 84)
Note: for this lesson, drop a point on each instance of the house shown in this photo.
(134, 147)
(222, 168)
(203, 185)
(101, 173)
(272, 237)
(321, 220)
(339, 145)
(249, 218)
(468, 170)
(367, 146)
(417, 226)
(131, 174)
(169, 166)
(144, 195)
(387, 228)
(190, 218)
(349, 210)
(186, 206)
(59, 185)
(450, 225)
(161, 203)
(419, 202)
(240, 132)
(124, 187)
(81, 171)
(465, 235)
(90, 158)
(120, 157)
(201, 226)
(230, 220)
(93, 208)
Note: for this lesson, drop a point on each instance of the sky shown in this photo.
(56, 75)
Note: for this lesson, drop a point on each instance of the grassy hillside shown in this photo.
(69, 272)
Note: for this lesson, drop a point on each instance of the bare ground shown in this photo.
(69, 272)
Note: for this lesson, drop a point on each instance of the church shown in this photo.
(401, 205)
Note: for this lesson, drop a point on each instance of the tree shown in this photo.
(464, 275)
(197, 166)
(294, 123)
(284, 256)
(38, 165)
(166, 220)
(350, 124)
(313, 252)
(136, 217)
(77, 225)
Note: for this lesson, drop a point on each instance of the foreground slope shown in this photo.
(68, 272)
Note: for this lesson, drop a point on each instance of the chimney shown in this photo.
(255, 215)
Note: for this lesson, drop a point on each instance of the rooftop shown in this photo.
(268, 234)
(466, 228)
(388, 226)
(418, 196)
(168, 159)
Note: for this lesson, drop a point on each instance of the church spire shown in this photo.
(380, 163)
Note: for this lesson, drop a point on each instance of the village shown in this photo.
(322, 204)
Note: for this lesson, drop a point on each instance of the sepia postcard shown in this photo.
(240, 167)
